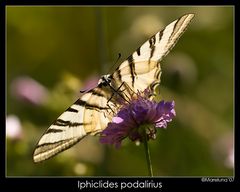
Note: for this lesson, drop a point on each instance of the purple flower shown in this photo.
(28, 90)
(140, 115)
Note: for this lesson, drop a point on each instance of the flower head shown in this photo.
(29, 90)
(136, 118)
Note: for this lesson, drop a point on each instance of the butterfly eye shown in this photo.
(106, 80)
(109, 80)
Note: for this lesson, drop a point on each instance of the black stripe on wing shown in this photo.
(119, 76)
(44, 147)
(152, 42)
(160, 35)
(173, 32)
(60, 122)
(138, 51)
(132, 68)
(48, 143)
(88, 105)
(70, 109)
(53, 130)
(96, 93)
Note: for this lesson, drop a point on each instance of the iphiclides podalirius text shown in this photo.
(91, 113)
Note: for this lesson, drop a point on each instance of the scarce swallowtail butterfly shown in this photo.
(91, 113)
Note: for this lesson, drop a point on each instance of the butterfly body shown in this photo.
(91, 113)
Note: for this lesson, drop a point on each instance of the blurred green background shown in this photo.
(55, 51)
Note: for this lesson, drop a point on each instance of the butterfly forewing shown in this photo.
(142, 69)
(94, 110)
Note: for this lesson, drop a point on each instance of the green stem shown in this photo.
(148, 158)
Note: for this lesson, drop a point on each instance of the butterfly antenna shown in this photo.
(111, 69)
(82, 91)
(119, 56)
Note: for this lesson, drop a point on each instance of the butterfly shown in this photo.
(92, 112)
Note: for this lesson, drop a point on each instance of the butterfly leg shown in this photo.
(114, 112)
(118, 91)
